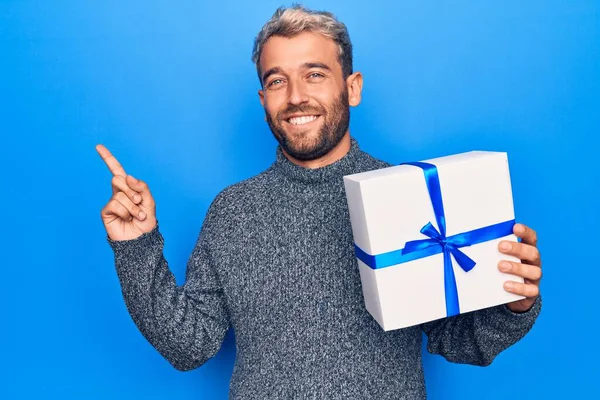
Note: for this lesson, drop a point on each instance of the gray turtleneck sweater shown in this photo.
(275, 261)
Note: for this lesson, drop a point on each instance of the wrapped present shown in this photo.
(426, 236)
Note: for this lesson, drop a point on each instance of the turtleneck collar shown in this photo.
(335, 171)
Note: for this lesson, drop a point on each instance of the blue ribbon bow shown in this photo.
(438, 242)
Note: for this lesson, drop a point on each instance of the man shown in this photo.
(275, 258)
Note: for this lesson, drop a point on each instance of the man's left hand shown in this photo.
(530, 267)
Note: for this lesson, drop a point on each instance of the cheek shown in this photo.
(272, 107)
(324, 101)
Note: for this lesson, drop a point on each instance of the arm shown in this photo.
(479, 336)
(186, 324)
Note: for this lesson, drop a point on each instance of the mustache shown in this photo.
(304, 109)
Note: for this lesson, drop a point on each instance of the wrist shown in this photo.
(521, 306)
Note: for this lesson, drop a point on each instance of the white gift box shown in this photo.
(389, 207)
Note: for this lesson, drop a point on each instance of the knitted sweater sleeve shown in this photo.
(187, 323)
(479, 336)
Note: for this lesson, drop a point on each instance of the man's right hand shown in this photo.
(131, 211)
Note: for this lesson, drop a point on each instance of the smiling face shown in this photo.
(305, 95)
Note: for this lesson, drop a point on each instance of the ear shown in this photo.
(261, 96)
(354, 83)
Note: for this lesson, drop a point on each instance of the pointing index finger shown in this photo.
(111, 162)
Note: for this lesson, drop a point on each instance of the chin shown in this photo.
(301, 142)
(307, 148)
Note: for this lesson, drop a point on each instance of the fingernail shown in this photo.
(142, 215)
(504, 246)
(505, 266)
(519, 228)
(509, 285)
(137, 198)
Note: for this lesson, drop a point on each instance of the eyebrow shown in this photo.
(269, 73)
(307, 65)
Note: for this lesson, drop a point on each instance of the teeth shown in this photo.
(302, 120)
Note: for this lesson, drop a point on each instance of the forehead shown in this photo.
(289, 53)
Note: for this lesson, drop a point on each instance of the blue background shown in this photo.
(170, 89)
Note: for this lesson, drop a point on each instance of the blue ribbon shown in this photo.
(438, 242)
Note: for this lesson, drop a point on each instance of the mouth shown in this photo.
(300, 120)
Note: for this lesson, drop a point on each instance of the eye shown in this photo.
(316, 75)
(275, 82)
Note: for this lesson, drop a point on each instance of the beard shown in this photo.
(336, 120)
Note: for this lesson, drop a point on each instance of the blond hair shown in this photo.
(292, 21)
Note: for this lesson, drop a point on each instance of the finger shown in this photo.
(142, 188)
(527, 235)
(525, 252)
(522, 289)
(114, 207)
(113, 165)
(120, 185)
(531, 272)
(134, 210)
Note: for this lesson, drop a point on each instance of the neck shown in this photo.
(339, 151)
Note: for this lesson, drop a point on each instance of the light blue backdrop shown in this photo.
(169, 88)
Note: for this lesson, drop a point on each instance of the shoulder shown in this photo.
(368, 162)
(238, 198)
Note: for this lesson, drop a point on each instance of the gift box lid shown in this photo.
(389, 206)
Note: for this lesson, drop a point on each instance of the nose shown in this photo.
(297, 93)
